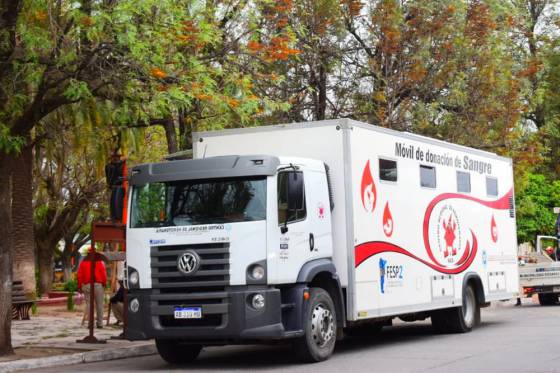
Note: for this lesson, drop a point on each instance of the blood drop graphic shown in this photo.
(493, 230)
(388, 223)
(368, 191)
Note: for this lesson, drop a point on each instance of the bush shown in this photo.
(70, 301)
(37, 283)
(71, 286)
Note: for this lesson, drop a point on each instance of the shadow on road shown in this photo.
(281, 356)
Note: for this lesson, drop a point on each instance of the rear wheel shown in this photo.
(458, 319)
(175, 352)
(317, 344)
(548, 299)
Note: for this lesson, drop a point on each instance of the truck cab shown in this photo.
(226, 250)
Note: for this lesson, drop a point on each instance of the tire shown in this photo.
(317, 344)
(548, 299)
(175, 352)
(458, 319)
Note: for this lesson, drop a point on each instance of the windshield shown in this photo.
(180, 203)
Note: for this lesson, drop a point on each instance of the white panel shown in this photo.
(390, 219)
(322, 143)
(442, 286)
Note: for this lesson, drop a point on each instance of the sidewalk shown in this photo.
(49, 340)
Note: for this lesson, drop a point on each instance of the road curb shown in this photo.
(79, 358)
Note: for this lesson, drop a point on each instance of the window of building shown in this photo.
(387, 170)
(427, 176)
(463, 182)
(283, 211)
(491, 186)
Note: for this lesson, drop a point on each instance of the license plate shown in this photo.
(188, 313)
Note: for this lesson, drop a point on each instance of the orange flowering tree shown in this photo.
(445, 70)
(208, 68)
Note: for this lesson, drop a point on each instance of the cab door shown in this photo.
(303, 221)
(293, 224)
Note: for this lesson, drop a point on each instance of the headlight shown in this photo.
(257, 272)
(257, 301)
(134, 305)
(133, 279)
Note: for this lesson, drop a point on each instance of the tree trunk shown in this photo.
(66, 258)
(170, 135)
(5, 255)
(67, 268)
(46, 264)
(322, 87)
(22, 220)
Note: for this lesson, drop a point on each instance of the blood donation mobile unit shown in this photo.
(302, 231)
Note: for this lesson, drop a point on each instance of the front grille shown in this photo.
(205, 288)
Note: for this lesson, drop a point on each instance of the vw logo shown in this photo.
(188, 262)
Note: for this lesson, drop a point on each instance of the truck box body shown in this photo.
(413, 217)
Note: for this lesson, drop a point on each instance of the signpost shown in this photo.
(106, 232)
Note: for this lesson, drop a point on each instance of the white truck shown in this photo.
(539, 273)
(301, 231)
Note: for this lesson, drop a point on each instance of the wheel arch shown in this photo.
(322, 273)
(473, 279)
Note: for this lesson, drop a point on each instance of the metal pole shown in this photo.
(92, 257)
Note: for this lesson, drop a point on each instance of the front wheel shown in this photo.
(175, 352)
(317, 344)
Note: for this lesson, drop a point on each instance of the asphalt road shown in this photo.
(510, 339)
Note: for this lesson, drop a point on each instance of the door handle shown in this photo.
(311, 242)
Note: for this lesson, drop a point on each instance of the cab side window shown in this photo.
(284, 212)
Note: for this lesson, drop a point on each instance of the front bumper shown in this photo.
(239, 321)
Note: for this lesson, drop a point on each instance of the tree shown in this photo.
(68, 190)
(73, 242)
(535, 203)
(310, 81)
(214, 72)
(151, 61)
(53, 54)
(442, 71)
(22, 212)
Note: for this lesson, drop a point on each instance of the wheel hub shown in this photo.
(322, 325)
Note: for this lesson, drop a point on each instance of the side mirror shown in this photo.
(296, 194)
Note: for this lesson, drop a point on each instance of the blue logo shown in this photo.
(157, 242)
(484, 258)
(382, 267)
(227, 227)
(390, 276)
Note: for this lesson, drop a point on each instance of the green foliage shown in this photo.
(88, 81)
(534, 206)
(70, 302)
(71, 286)
(38, 282)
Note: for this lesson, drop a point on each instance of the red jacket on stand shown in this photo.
(84, 273)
